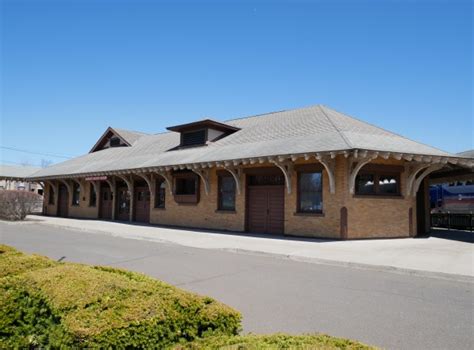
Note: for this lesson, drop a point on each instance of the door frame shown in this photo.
(59, 201)
(261, 171)
(117, 203)
(101, 207)
(135, 199)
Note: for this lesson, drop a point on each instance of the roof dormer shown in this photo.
(202, 132)
(113, 137)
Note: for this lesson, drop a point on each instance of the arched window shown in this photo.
(160, 193)
(76, 194)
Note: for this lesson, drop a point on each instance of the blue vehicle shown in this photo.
(453, 198)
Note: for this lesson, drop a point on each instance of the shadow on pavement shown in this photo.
(453, 235)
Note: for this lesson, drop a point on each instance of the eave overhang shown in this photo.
(354, 153)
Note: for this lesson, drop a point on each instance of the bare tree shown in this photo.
(46, 163)
(16, 205)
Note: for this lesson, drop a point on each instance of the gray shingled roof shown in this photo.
(467, 154)
(17, 171)
(129, 135)
(312, 129)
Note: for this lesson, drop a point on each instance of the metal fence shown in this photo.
(453, 221)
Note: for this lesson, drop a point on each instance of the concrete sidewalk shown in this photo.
(429, 256)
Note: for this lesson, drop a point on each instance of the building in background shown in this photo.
(14, 178)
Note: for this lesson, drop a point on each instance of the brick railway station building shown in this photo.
(311, 172)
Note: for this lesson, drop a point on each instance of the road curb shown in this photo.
(380, 268)
(293, 257)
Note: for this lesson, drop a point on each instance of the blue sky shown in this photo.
(72, 68)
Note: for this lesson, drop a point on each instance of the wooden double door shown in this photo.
(123, 204)
(105, 202)
(142, 204)
(266, 209)
(63, 201)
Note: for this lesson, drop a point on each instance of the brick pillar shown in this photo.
(114, 202)
(131, 188)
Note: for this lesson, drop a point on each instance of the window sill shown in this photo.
(308, 214)
(221, 211)
(159, 208)
(378, 196)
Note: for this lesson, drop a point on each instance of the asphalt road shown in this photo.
(274, 294)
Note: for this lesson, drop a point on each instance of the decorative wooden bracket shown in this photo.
(149, 180)
(329, 164)
(81, 186)
(55, 186)
(425, 173)
(412, 172)
(111, 184)
(127, 180)
(357, 166)
(96, 185)
(237, 175)
(287, 169)
(68, 186)
(168, 179)
(204, 175)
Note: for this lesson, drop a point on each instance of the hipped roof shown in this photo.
(305, 130)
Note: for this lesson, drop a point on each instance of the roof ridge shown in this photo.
(258, 115)
(346, 140)
(134, 131)
(388, 131)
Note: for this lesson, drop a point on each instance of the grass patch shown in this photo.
(273, 342)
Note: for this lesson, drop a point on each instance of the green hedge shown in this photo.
(62, 305)
(47, 304)
(273, 342)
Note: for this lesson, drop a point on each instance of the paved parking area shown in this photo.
(442, 253)
(276, 294)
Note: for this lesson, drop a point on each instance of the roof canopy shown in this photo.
(316, 129)
(16, 172)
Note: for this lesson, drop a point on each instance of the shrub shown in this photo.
(16, 205)
(49, 304)
(273, 342)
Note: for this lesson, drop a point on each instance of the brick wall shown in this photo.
(202, 215)
(367, 217)
(381, 217)
(83, 210)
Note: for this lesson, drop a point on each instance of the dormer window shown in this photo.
(201, 132)
(115, 142)
(116, 138)
(193, 138)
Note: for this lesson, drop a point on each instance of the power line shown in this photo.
(38, 153)
(18, 163)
